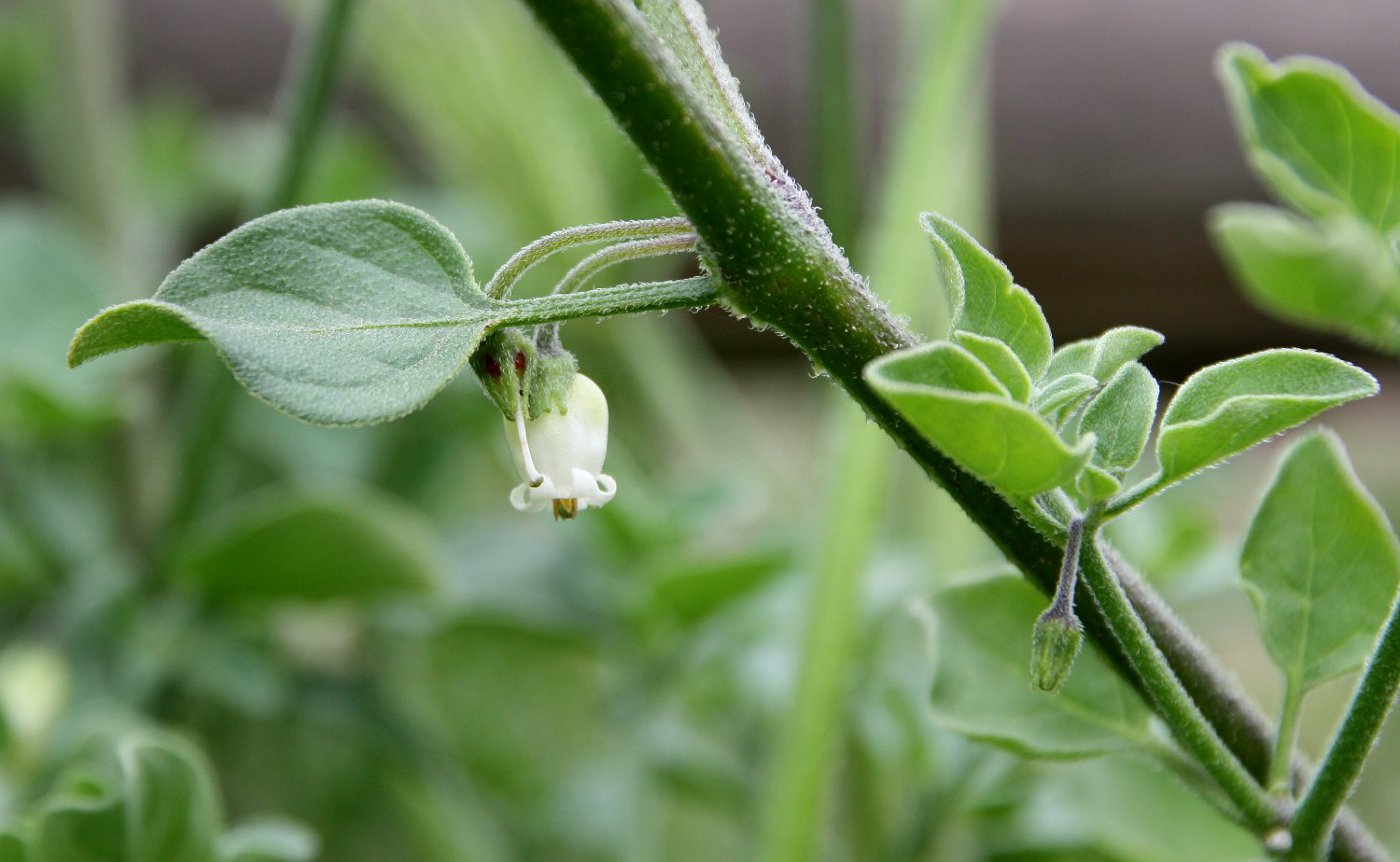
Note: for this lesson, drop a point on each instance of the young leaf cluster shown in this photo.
(1027, 418)
(1329, 151)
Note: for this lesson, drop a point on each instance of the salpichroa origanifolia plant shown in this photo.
(360, 312)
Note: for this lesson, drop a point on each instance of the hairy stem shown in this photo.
(1341, 767)
(640, 249)
(780, 267)
(696, 292)
(1173, 702)
(521, 262)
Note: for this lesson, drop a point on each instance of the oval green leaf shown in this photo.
(982, 297)
(339, 314)
(1315, 135)
(1120, 416)
(999, 359)
(1226, 408)
(960, 407)
(1321, 564)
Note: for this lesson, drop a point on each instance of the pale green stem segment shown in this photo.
(520, 263)
(1341, 767)
(1131, 498)
(1175, 706)
(799, 776)
(640, 249)
(1280, 765)
(696, 292)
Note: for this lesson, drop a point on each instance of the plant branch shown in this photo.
(640, 249)
(1173, 702)
(1341, 767)
(696, 292)
(780, 267)
(522, 261)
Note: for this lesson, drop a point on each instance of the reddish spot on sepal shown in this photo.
(519, 362)
(493, 367)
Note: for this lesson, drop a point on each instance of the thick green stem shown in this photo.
(780, 267)
(1341, 767)
(1173, 703)
(697, 292)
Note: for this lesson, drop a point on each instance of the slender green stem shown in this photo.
(309, 84)
(798, 779)
(310, 89)
(1063, 602)
(1127, 501)
(1280, 765)
(1341, 766)
(1174, 704)
(520, 263)
(696, 292)
(768, 248)
(837, 177)
(640, 249)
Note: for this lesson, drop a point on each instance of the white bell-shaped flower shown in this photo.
(560, 454)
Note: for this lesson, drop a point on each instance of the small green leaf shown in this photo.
(1101, 357)
(1062, 396)
(1336, 274)
(1119, 346)
(314, 548)
(956, 403)
(980, 689)
(1000, 360)
(983, 298)
(339, 314)
(1120, 416)
(1315, 135)
(1321, 564)
(1096, 484)
(172, 805)
(1226, 408)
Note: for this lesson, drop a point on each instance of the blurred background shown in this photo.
(365, 641)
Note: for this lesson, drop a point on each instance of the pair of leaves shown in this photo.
(1331, 151)
(339, 314)
(1027, 419)
(1321, 565)
(159, 802)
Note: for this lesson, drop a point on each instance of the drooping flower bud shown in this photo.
(1055, 644)
(559, 455)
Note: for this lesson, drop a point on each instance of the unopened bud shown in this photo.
(1055, 644)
